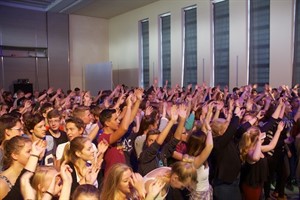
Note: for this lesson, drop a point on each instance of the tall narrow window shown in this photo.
(145, 52)
(190, 46)
(165, 21)
(221, 42)
(259, 42)
(296, 64)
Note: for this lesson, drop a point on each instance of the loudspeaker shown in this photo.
(25, 87)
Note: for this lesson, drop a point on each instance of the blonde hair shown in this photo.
(247, 141)
(112, 181)
(40, 176)
(186, 172)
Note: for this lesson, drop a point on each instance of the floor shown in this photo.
(291, 193)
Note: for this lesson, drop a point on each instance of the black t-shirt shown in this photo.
(61, 139)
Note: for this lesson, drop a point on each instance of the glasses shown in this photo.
(54, 121)
(18, 129)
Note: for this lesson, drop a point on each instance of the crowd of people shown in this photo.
(195, 142)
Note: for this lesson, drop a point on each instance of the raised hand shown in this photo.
(219, 105)
(281, 101)
(27, 95)
(50, 90)
(260, 114)
(174, 113)
(58, 91)
(121, 99)
(129, 100)
(249, 104)
(189, 98)
(182, 111)
(239, 112)
(239, 102)
(139, 93)
(148, 110)
(230, 104)
(65, 173)
(27, 104)
(106, 103)
(280, 126)
(38, 147)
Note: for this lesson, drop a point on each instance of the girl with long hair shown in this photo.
(20, 155)
(199, 147)
(85, 160)
(122, 184)
(255, 167)
(179, 176)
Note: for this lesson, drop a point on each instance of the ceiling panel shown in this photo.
(94, 8)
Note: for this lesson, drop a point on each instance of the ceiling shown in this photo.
(93, 8)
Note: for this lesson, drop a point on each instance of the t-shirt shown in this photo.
(128, 147)
(138, 144)
(50, 152)
(114, 154)
(60, 150)
(61, 139)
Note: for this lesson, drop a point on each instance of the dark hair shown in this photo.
(15, 113)
(105, 115)
(77, 144)
(87, 190)
(32, 120)
(96, 110)
(151, 132)
(196, 143)
(45, 107)
(235, 89)
(6, 122)
(14, 145)
(145, 123)
(77, 121)
(53, 114)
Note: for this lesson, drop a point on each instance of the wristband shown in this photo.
(46, 192)
(35, 156)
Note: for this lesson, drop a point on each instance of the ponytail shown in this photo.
(66, 154)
